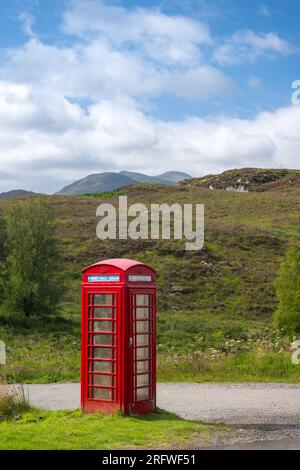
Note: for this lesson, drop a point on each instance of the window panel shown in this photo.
(103, 299)
(102, 339)
(104, 312)
(102, 353)
(142, 353)
(142, 366)
(142, 340)
(142, 313)
(142, 326)
(142, 300)
(142, 394)
(103, 366)
(105, 380)
(142, 380)
(99, 325)
(102, 393)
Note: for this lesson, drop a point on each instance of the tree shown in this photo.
(3, 255)
(287, 315)
(33, 286)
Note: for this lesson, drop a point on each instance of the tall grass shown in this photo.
(13, 402)
(257, 365)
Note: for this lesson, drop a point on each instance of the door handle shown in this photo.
(130, 342)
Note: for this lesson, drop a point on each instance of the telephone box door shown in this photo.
(101, 365)
(143, 350)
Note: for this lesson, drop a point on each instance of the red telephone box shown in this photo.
(118, 357)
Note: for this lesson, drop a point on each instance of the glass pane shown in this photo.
(142, 313)
(102, 312)
(104, 366)
(142, 366)
(102, 339)
(98, 325)
(142, 380)
(102, 393)
(142, 353)
(142, 340)
(103, 299)
(142, 326)
(102, 353)
(142, 394)
(105, 380)
(141, 300)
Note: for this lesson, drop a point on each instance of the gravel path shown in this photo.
(235, 404)
(263, 415)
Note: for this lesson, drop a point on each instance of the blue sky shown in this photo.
(196, 85)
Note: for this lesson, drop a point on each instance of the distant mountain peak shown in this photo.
(110, 181)
(15, 193)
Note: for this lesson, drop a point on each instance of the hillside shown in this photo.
(246, 237)
(106, 182)
(250, 179)
(218, 299)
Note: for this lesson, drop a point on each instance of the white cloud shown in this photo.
(95, 71)
(163, 38)
(247, 45)
(66, 111)
(27, 21)
(48, 141)
(264, 10)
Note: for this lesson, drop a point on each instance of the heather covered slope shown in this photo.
(252, 179)
(246, 237)
(218, 299)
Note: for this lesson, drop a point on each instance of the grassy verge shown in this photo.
(253, 366)
(191, 348)
(73, 430)
(55, 361)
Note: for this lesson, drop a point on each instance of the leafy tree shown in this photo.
(33, 286)
(287, 315)
(3, 255)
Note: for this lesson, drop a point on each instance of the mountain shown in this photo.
(16, 193)
(170, 177)
(106, 182)
(248, 179)
(174, 176)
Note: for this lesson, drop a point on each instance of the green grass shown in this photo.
(73, 430)
(191, 347)
(254, 367)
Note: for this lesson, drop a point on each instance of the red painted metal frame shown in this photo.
(124, 291)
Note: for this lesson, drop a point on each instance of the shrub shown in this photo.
(287, 315)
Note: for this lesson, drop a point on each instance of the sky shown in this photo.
(199, 86)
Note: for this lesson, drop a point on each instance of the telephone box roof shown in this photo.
(121, 263)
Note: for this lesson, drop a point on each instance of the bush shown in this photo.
(287, 315)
